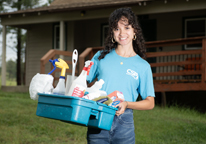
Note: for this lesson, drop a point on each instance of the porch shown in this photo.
(182, 70)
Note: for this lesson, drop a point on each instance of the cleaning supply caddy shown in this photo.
(75, 110)
(71, 108)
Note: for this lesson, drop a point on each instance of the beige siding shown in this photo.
(70, 36)
(88, 33)
(39, 42)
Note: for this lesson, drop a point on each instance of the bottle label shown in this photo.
(120, 95)
(78, 91)
(113, 98)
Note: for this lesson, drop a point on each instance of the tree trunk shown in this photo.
(18, 74)
(18, 71)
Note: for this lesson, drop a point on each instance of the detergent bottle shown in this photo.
(79, 85)
(96, 87)
(60, 88)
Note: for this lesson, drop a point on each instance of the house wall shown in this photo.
(70, 35)
(170, 26)
(39, 42)
(87, 33)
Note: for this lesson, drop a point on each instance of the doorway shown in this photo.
(149, 30)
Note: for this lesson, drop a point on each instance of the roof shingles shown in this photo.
(75, 4)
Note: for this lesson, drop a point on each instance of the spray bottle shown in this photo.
(79, 85)
(60, 88)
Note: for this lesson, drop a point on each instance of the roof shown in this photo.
(68, 5)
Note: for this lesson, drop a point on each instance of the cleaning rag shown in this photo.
(107, 102)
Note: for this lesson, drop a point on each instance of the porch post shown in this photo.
(3, 62)
(62, 37)
(204, 60)
(164, 102)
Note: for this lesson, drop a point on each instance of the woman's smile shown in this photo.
(123, 38)
(124, 33)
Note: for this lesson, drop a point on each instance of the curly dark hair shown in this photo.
(138, 43)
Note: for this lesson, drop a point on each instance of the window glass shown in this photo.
(105, 29)
(195, 28)
(56, 36)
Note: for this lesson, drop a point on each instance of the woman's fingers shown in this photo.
(121, 109)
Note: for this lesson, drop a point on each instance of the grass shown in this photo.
(20, 125)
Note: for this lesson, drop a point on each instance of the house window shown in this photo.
(105, 29)
(195, 28)
(56, 36)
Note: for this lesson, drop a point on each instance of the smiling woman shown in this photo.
(124, 34)
(122, 67)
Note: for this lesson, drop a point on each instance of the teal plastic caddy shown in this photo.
(75, 110)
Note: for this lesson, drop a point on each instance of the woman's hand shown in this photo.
(122, 107)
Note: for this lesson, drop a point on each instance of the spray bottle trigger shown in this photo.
(89, 67)
(53, 63)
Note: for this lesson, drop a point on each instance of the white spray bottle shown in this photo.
(79, 85)
(60, 88)
(96, 86)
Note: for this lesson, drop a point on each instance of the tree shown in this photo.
(13, 5)
(11, 69)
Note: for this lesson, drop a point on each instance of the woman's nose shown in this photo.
(122, 32)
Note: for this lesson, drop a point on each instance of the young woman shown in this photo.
(122, 66)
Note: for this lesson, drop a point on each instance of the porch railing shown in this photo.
(173, 70)
(53, 54)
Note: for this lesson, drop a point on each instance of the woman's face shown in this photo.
(124, 33)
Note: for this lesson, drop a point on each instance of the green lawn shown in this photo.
(20, 125)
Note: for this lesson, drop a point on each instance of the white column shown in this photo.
(62, 37)
(3, 62)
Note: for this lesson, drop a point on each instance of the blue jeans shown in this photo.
(122, 131)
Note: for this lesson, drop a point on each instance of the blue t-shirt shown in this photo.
(132, 78)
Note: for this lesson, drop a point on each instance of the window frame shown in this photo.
(185, 30)
(104, 33)
(55, 25)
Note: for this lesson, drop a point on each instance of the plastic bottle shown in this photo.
(115, 103)
(97, 86)
(95, 94)
(79, 85)
(60, 88)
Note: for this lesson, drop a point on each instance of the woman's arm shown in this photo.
(146, 104)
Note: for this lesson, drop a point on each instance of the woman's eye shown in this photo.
(127, 27)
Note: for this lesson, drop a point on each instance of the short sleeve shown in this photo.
(146, 87)
(94, 69)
